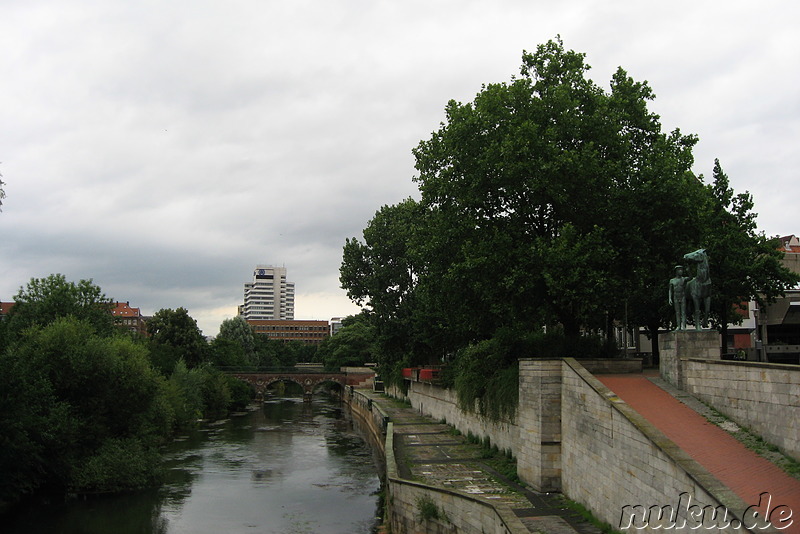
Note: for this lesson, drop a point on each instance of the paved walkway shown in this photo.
(430, 451)
(742, 470)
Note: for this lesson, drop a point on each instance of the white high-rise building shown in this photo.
(269, 296)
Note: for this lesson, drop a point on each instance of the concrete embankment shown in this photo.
(571, 434)
(436, 481)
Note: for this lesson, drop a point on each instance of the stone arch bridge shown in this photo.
(308, 379)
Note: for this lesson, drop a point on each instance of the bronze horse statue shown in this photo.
(699, 287)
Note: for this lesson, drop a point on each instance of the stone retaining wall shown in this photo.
(613, 366)
(617, 464)
(442, 404)
(458, 512)
(370, 415)
(764, 397)
(538, 449)
(679, 344)
(572, 434)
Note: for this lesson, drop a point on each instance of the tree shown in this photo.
(174, 336)
(80, 412)
(352, 345)
(44, 300)
(237, 329)
(381, 273)
(546, 183)
(546, 201)
(745, 265)
(235, 343)
(227, 353)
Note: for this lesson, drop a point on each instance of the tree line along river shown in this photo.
(285, 467)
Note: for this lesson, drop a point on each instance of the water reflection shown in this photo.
(285, 467)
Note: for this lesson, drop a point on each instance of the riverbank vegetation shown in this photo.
(548, 204)
(84, 406)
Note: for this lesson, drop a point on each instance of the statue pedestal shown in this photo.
(682, 344)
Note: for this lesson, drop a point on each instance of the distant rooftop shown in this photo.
(790, 243)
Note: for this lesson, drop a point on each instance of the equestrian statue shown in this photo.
(699, 288)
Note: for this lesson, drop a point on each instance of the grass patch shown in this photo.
(756, 443)
(397, 403)
(428, 510)
(587, 516)
(503, 462)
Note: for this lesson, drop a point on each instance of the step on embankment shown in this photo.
(432, 452)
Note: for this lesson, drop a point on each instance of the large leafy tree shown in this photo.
(44, 300)
(546, 201)
(745, 264)
(353, 344)
(79, 411)
(174, 335)
(235, 343)
(381, 273)
(557, 193)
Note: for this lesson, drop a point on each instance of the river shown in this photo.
(285, 467)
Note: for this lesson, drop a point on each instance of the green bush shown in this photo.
(183, 393)
(242, 393)
(216, 395)
(119, 464)
(427, 509)
(485, 375)
(77, 405)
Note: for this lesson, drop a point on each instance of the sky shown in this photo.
(164, 149)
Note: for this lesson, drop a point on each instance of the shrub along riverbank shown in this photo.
(85, 412)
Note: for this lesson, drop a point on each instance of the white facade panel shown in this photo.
(269, 296)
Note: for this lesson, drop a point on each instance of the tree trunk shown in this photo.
(653, 329)
(572, 330)
(609, 328)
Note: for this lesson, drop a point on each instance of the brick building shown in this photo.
(305, 331)
(129, 318)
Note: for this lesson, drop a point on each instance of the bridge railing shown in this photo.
(276, 370)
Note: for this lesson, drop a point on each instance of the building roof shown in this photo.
(287, 322)
(123, 309)
(790, 243)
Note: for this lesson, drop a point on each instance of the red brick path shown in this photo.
(739, 468)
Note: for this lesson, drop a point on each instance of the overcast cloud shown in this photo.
(163, 149)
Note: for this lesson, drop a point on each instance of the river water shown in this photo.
(287, 467)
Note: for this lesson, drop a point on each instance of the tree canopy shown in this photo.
(546, 202)
(79, 411)
(235, 345)
(83, 406)
(552, 185)
(44, 300)
(176, 336)
(745, 265)
(352, 345)
(543, 202)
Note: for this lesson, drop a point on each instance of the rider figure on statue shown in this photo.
(677, 297)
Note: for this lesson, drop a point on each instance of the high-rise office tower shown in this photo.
(269, 296)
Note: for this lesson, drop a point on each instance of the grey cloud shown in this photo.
(164, 149)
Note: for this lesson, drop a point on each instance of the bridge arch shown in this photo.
(308, 381)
